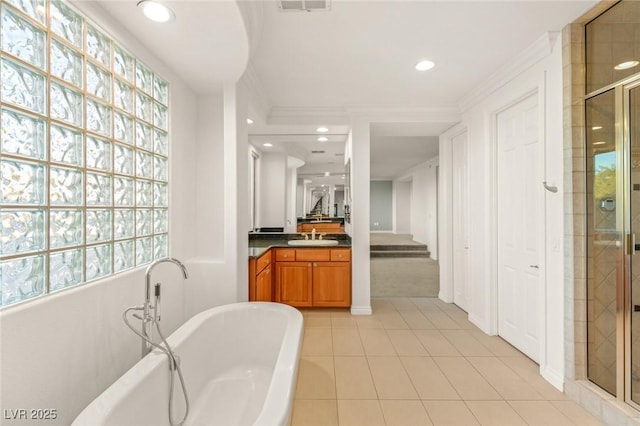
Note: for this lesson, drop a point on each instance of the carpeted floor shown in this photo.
(404, 277)
(384, 238)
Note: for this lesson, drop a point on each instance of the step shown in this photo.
(399, 253)
(410, 247)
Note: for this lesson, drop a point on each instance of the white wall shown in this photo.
(273, 184)
(63, 350)
(402, 207)
(291, 197)
(424, 203)
(537, 69)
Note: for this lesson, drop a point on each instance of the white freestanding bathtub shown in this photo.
(239, 363)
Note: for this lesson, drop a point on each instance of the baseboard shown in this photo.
(361, 310)
(382, 232)
(551, 376)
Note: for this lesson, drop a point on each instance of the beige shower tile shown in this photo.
(540, 413)
(376, 342)
(315, 412)
(406, 343)
(429, 381)
(391, 379)
(353, 378)
(435, 343)
(317, 342)
(346, 342)
(316, 378)
(360, 413)
(495, 413)
(449, 413)
(404, 413)
(469, 384)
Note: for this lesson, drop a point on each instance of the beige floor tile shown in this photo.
(365, 322)
(469, 384)
(417, 321)
(576, 413)
(495, 344)
(495, 413)
(317, 322)
(341, 313)
(406, 343)
(392, 321)
(404, 413)
(382, 305)
(449, 413)
(317, 342)
(316, 378)
(376, 342)
(465, 343)
(353, 378)
(539, 413)
(315, 412)
(391, 379)
(346, 342)
(442, 321)
(315, 313)
(343, 322)
(435, 343)
(529, 371)
(403, 304)
(360, 413)
(508, 384)
(429, 381)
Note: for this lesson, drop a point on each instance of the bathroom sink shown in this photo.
(313, 242)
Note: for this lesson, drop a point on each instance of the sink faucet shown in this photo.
(313, 234)
(147, 318)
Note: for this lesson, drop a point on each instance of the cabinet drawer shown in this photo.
(306, 255)
(263, 261)
(340, 255)
(285, 255)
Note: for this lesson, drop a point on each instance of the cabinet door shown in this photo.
(263, 286)
(293, 283)
(332, 284)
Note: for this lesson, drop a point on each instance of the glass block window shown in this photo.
(83, 153)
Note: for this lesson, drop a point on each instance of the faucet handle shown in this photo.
(322, 235)
(156, 308)
(306, 237)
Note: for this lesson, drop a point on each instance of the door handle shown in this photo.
(534, 266)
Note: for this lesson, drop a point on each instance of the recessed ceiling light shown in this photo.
(155, 11)
(327, 173)
(626, 65)
(600, 143)
(323, 139)
(425, 65)
(267, 144)
(341, 177)
(596, 128)
(249, 121)
(322, 130)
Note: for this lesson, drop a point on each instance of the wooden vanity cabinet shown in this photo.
(313, 277)
(261, 278)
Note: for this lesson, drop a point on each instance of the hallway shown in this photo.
(418, 361)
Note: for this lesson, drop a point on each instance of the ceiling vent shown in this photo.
(317, 152)
(304, 5)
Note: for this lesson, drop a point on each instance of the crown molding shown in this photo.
(308, 115)
(406, 114)
(533, 54)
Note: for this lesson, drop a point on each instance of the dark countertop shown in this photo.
(260, 243)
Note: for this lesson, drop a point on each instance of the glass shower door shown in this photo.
(632, 127)
(605, 251)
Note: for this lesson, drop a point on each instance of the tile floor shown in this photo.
(418, 361)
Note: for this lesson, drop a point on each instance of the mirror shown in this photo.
(296, 180)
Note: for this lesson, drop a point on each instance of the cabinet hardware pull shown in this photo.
(309, 265)
(315, 264)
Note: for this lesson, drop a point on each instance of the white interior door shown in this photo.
(460, 220)
(520, 220)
